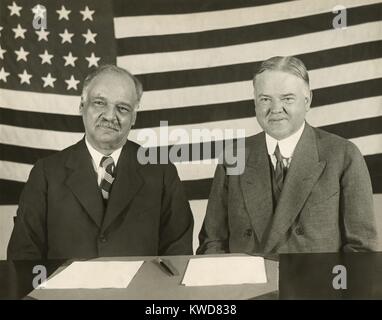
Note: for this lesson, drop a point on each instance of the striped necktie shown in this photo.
(279, 173)
(108, 164)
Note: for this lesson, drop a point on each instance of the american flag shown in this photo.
(196, 60)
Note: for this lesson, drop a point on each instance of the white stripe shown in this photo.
(138, 26)
(6, 226)
(37, 138)
(369, 145)
(14, 171)
(243, 90)
(182, 134)
(193, 96)
(108, 178)
(39, 102)
(198, 208)
(196, 170)
(193, 170)
(345, 111)
(249, 52)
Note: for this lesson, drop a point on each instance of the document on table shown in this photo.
(224, 270)
(94, 275)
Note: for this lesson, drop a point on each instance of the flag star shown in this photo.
(72, 83)
(42, 34)
(63, 13)
(93, 60)
(39, 11)
(48, 80)
(3, 74)
(87, 14)
(21, 54)
(1, 28)
(70, 60)
(89, 37)
(15, 9)
(2, 51)
(46, 57)
(25, 77)
(19, 31)
(66, 36)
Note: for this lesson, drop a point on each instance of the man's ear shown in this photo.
(308, 100)
(81, 107)
(134, 117)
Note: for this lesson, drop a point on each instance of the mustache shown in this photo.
(107, 124)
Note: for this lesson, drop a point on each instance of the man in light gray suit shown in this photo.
(302, 190)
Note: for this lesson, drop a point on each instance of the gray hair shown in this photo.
(112, 68)
(290, 65)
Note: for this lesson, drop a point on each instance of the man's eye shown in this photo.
(263, 99)
(99, 103)
(289, 100)
(123, 109)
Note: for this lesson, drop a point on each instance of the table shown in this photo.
(152, 283)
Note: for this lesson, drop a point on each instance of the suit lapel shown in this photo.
(127, 183)
(255, 185)
(82, 181)
(303, 173)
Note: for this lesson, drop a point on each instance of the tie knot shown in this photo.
(107, 163)
(277, 153)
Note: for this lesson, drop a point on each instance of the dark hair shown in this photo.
(290, 65)
(112, 68)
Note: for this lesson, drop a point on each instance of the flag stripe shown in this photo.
(244, 71)
(150, 25)
(249, 52)
(239, 35)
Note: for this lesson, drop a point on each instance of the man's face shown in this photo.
(109, 110)
(282, 101)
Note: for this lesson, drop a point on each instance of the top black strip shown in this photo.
(156, 7)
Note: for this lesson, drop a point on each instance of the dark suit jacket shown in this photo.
(326, 204)
(61, 212)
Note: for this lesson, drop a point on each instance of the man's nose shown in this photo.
(110, 112)
(277, 106)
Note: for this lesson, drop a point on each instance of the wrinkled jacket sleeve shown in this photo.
(356, 205)
(214, 235)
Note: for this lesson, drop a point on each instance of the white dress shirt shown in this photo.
(97, 157)
(286, 146)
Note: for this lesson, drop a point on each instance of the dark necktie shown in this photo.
(279, 173)
(108, 164)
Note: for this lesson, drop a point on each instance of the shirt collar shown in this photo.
(97, 156)
(286, 145)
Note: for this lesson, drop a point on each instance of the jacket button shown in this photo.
(102, 238)
(299, 231)
(248, 233)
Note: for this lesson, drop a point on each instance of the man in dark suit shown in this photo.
(302, 190)
(95, 198)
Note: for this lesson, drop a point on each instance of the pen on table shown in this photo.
(166, 265)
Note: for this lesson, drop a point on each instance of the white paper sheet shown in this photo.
(94, 275)
(225, 270)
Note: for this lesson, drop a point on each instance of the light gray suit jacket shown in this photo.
(326, 204)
